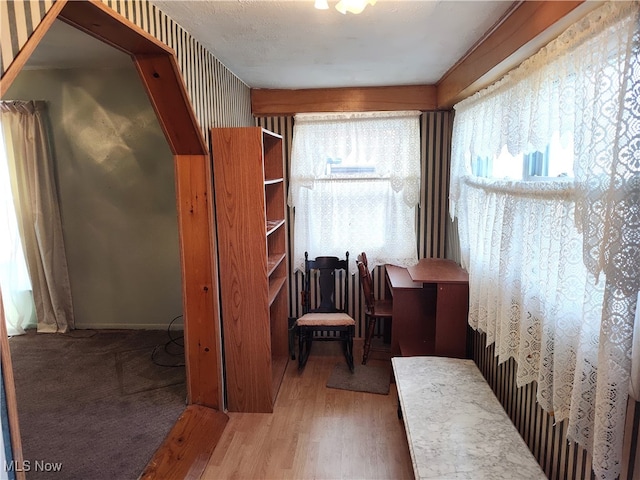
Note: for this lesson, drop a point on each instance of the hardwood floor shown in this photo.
(315, 431)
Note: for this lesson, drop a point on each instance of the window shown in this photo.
(555, 161)
(14, 276)
(355, 183)
(549, 225)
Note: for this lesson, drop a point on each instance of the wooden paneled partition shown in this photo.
(559, 458)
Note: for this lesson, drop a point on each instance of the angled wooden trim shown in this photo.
(25, 52)
(275, 102)
(98, 20)
(161, 77)
(506, 45)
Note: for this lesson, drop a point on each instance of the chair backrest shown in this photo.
(366, 283)
(327, 268)
(363, 258)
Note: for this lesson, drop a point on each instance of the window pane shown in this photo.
(555, 161)
(13, 267)
(506, 166)
(354, 184)
(561, 157)
(355, 216)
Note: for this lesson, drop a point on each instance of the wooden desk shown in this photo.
(430, 308)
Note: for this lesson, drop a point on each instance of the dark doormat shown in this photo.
(365, 378)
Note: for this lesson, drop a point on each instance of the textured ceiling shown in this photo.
(290, 44)
(64, 46)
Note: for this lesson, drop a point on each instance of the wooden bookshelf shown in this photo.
(252, 250)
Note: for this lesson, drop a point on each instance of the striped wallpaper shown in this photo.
(18, 20)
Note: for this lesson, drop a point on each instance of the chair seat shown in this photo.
(325, 320)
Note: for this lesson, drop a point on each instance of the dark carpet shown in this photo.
(94, 402)
(365, 378)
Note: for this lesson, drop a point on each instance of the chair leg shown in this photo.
(349, 334)
(344, 339)
(301, 343)
(309, 341)
(371, 326)
(292, 337)
(305, 339)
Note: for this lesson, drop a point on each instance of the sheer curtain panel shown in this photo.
(35, 196)
(17, 295)
(554, 262)
(355, 183)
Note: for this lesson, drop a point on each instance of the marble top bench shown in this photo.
(455, 426)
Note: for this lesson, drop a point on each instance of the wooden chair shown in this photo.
(374, 309)
(328, 316)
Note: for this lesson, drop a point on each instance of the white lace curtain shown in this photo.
(554, 266)
(355, 182)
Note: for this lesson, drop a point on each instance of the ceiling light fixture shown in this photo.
(353, 6)
(321, 5)
(346, 6)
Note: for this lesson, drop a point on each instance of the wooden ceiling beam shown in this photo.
(523, 30)
(268, 102)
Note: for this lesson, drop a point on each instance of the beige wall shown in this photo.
(117, 196)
